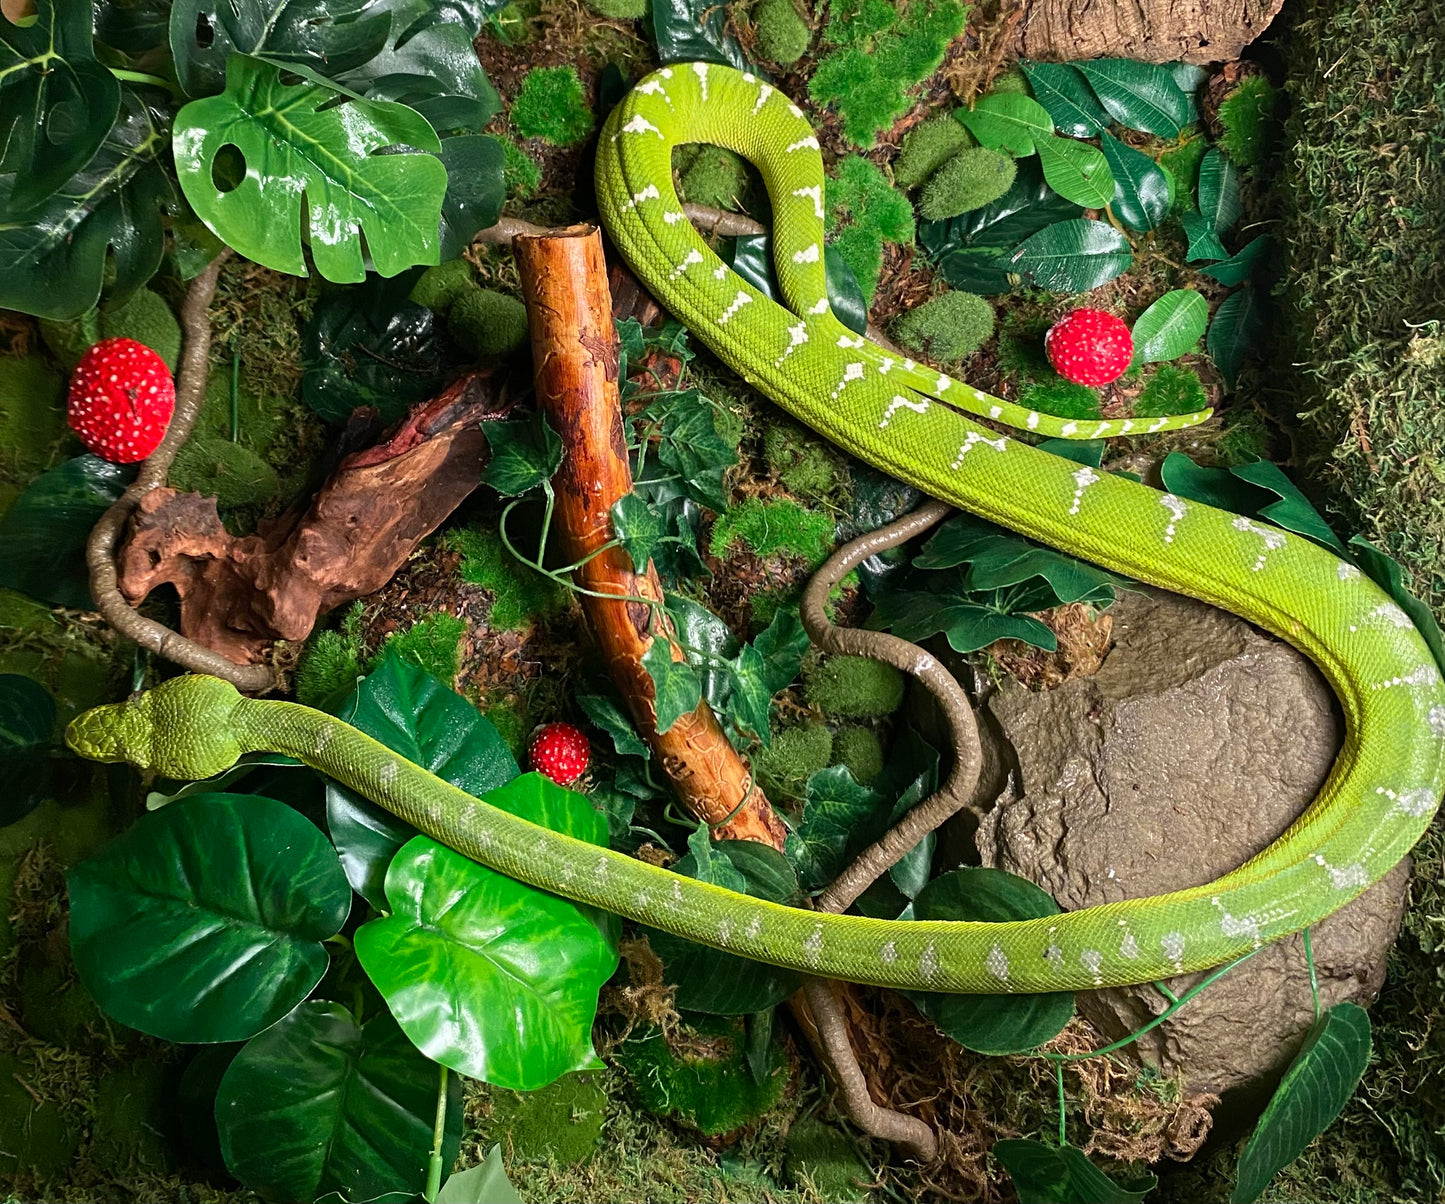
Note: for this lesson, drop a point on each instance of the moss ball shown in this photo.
(618, 10)
(143, 316)
(1246, 119)
(859, 750)
(969, 180)
(487, 323)
(716, 177)
(552, 105)
(928, 147)
(947, 328)
(854, 687)
(783, 35)
(329, 667)
(230, 472)
(1171, 389)
(1011, 81)
(443, 284)
(795, 754)
(521, 174)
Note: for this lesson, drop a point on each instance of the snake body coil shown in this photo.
(911, 422)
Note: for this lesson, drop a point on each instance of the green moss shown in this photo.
(562, 1121)
(521, 174)
(619, 10)
(969, 180)
(863, 212)
(854, 687)
(487, 323)
(431, 643)
(510, 719)
(807, 465)
(143, 316)
(859, 749)
(34, 1136)
(795, 754)
(53, 1004)
(783, 35)
(769, 528)
(716, 177)
(826, 1159)
(948, 328)
(1062, 398)
(1021, 354)
(1182, 166)
(703, 1079)
(927, 147)
(329, 667)
(131, 1116)
(551, 105)
(1171, 389)
(522, 594)
(230, 472)
(32, 417)
(1246, 437)
(1246, 117)
(1012, 80)
(443, 284)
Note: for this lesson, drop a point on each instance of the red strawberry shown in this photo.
(121, 400)
(561, 752)
(1089, 347)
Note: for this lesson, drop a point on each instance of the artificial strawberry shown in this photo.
(121, 400)
(561, 752)
(1089, 347)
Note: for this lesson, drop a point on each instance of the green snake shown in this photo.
(912, 422)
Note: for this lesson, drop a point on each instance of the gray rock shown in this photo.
(1195, 745)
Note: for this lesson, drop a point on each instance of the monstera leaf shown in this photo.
(332, 164)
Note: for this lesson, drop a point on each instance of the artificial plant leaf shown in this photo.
(132, 26)
(1080, 451)
(56, 102)
(487, 975)
(969, 622)
(1219, 202)
(1172, 326)
(1293, 510)
(1216, 487)
(524, 454)
(1385, 571)
(837, 809)
(676, 689)
(1240, 266)
(750, 700)
(782, 644)
(1235, 332)
(45, 530)
(103, 222)
(353, 170)
(476, 188)
(1077, 171)
(689, 444)
(1141, 189)
(752, 259)
(708, 643)
(607, 715)
(1313, 1092)
(1049, 1174)
(318, 1104)
(638, 526)
(1000, 558)
(485, 1183)
(1072, 256)
(1067, 97)
(1188, 76)
(967, 249)
(27, 725)
(204, 921)
(991, 1024)
(695, 31)
(1141, 96)
(1008, 121)
(421, 718)
(1203, 241)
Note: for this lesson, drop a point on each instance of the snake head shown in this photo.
(182, 729)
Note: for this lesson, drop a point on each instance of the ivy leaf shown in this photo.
(1066, 96)
(1219, 202)
(750, 699)
(1072, 256)
(1077, 171)
(638, 526)
(675, 686)
(132, 26)
(1141, 189)
(700, 863)
(752, 259)
(991, 1024)
(607, 715)
(524, 454)
(1234, 333)
(689, 444)
(709, 645)
(1008, 121)
(782, 646)
(1203, 241)
(1047, 1174)
(56, 102)
(836, 810)
(1313, 1092)
(297, 149)
(689, 31)
(485, 1183)
(318, 1106)
(1172, 326)
(1141, 96)
(1240, 266)
(1385, 571)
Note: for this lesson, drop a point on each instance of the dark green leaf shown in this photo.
(45, 529)
(1216, 487)
(999, 558)
(1386, 572)
(709, 645)
(420, 717)
(607, 715)
(132, 26)
(837, 808)
(1072, 256)
(1314, 1090)
(1046, 1174)
(1008, 121)
(475, 188)
(317, 1105)
(991, 1024)
(689, 31)
(750, 699)
(969, 622)
(204, 921)
(1293, 511)
(1219, 202)
(524, 454)
(1141, 193)
(1077, 171)
(638, 526)
(782, 645)
(752, 259)
(1066, 96)
(1188, 76)
(676, 688)
(1172, 326)
(1235, 332)
(700, 863)
(1203, 241)
(1240, 266)
(485, 1183)
(486, 975)
(1080, 451)
(27, 724)
(1141, 96)
(690, 445)
(760, 1045)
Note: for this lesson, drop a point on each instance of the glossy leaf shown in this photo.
(998, 558)
(1203, 241)
(708, 644)
(1189, 76)
(485, 1183)
(607, 715)
(317, 1105)
(27, 754)
(676, 689)
(1240, 266)
(297, 151)
(838, 808)
(476, 188)
(45, 529)
(1172, 326)
(204, 921)
(56, 102)
(486, 975)
(1067, 97)
(1008, 121)
(1077, 171)
(1219, 202)
(689, 444)
(1141, 189)
(689, 31)
(1072, 256)
(425, 721)
(1235, 332)
(103, 223)
(752, 259)
(132, 26)
(524, 454)
(1048, 1174)
(1313, 1092)
(638, 526)
(1141, 96)
(968, 621)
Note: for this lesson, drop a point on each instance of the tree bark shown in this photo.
(1155, 31)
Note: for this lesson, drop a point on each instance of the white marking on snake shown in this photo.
(1422, 675)
(995, 412)
(1068, 428)
(720, 271)
(1033, 421)
(701, 69)
(1387, 612)
(1238, 925)
(794, 110)
(601, 869)
(724, 931)
(851, 372)
(649, 193)
(918, 407)
(1092, 961)
(1083, 478)
(640, 125)
(888, 954)
(885, 365)
(1054, 956)
(851, 344)
(997, 963)
(672, 217)
(820, 306)
(813, 945)
(973, 437)
(1272, 538)
(754, 928)
(486, 839)
(1346, 572)
(567, 873)
(764, 91)
(1126, 426)
(388, 773)
(908, 365)
(1099, 430)
(1173, 945)
(798, 335)
(808, 143)
(1415, 803)
(1436, 719)
(1344, 877)
(815, 191)
(324, 736)
(676, 893)
(644, 897)
(1177, 510)
(1158, 425)
(1129, 947)
(653, 87)
(738, 302)
(808, 254)
(693, 256)
(943, 383)
(928, 963)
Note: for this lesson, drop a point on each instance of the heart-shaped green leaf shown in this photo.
(1008, 121)
(1077, 171)
(968, 622)
(1235, 332)
(1073, 256)
(352, 170)
(638, 526)
(689, 444)
(1142, 96)
(316, 1105)
(1000, 558)
(1048, 1174)
(486, 975)
(204, 921)
(524, 454)
(485, 1183)
(1065, 94)
(1172, 326)
(603, 710)
(1219, 202)
(1141, 189)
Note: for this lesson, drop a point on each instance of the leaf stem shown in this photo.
(439, 1130)
(1063, 1132)
(141, 77)
(1314, 976)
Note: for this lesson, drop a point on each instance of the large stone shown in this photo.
(1195, 745)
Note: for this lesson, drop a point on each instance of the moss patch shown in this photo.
(1246, 119)
(969, 180)
(32, 418)
(770, 528)
(1062, 398)
(522, 595)
(928, 147)
(432, 643)
(1171, 389)
(859, 750)
(795, 754)
(806, 464)
(949, 327)
(865, 211)
(561, 1122)
(854, 687)
(552, 106)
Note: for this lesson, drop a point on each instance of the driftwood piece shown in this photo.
(240, 594)
(1155, 31)
(574, 357)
